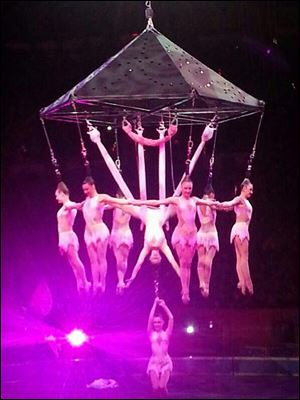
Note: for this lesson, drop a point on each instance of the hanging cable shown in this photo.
(83, 149)
(252, 155)
(212, 158)
(171, 156)
(156, 280)
(53, 159)
(118, 161)
(190, 143)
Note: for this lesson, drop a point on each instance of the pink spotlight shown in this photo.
(77, 338)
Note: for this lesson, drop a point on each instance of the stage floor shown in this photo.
(61, 379)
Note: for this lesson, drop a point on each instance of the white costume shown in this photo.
(95, 228)
(207, 235)
(66, 236)
(160, 360)
(241, 229)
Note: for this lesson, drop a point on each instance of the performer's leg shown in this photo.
(169, 255)
(201, 267)
(154, 378)
(102, 262)
(208, 266)
(137, 267)
(92, 252)
(78, 269)
(121, 253)
(238, 252)
(245, 265)
(163, 381)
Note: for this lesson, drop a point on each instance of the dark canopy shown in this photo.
(152, 76)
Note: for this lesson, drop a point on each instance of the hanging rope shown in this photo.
(252, 155)
(53, 159)
(83, 149)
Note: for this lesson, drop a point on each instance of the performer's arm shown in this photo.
(170, 316)
(151, 315)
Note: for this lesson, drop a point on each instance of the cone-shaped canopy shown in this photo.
(152, 76)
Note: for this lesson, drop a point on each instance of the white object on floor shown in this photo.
(103, 384)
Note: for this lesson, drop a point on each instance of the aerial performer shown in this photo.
(207, 240)
(154, 236)
(240, 234)
(68, 241)
(121, 241)
(160, 364)
(96, 234)
(184, 237)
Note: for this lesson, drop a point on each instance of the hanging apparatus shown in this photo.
(171, 158)
(214, 124)
(118, 161)
(149, 15)
(190, 143)
(252, 155)
(83, 149)
(53, 159)
(156, 280)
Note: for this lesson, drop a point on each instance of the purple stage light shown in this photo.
(77, 338)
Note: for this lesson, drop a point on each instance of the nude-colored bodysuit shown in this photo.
(121, 232)
(185, 232)
(95, 228)
(243, 217)
(65, 221)
(160, 360)
(207, 235)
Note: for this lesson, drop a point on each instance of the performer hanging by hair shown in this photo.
(96, 234)
(154, 236)
(160, 364)
(68, 241)
(121, 241)
(185, 233)
(154, 241)
(240, 234)
(207, 240)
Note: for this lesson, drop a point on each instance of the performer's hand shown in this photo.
(129, 282)
(167, 225)
(126, 126)
(161, 303)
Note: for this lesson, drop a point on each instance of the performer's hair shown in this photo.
(62, 187)
(187, 178)
(89, 180)
(245, 182)
(208, 189)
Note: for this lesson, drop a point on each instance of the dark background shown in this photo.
(48, 47)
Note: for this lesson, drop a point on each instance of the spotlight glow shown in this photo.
(109, 128)
(211, 324)
(77, 338)
(190, 329)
